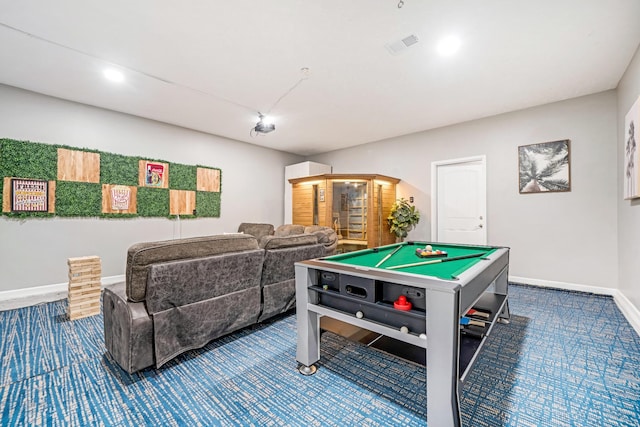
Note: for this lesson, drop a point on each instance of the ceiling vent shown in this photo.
(400, 46)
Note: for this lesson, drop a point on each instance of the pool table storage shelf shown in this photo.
(360, 288)
(372, 301)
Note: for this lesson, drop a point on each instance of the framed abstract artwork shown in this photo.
(631, 167)
(544, 167)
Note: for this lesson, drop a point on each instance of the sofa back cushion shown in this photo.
(276, 242)
(180, 283)
(257, 230)
(141, 256)
(279, 264)
(326, 235)
(288, 230)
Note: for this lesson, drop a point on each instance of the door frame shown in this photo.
(434, 190)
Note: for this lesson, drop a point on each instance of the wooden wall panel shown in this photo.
(52, 197)
(6, 195)
(208, 180)
(142, 174)
(388, 199)
(79, 166)
(372, 216)
(327, 208)
(182, 202)
(107, 198)
(302, 204)
(322, 204)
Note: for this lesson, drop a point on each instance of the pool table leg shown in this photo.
(308, 324)
(443, 341)
(502, 288)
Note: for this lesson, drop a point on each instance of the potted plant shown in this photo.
(402, 218)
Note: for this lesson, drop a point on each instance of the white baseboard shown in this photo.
(38, 294)
(35, 295)
(630, 312)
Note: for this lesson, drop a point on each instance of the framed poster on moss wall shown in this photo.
(29, 195)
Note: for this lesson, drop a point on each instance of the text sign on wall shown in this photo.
(120, 196)
(29, 195)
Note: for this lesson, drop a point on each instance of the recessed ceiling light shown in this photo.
(113, 75)
(449, 45)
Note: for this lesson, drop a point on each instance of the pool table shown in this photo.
(401, 293)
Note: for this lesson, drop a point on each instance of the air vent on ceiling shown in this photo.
(400, 46)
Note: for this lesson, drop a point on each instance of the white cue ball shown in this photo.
(404, 330)
(428, 248)
(423, 336)
(359, 314)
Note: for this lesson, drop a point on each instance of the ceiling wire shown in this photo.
(305, 76)
(152, 76)
(305, 71)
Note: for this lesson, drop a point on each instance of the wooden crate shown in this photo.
(84, 286)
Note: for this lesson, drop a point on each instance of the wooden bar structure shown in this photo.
(84, 286)
(355, 205)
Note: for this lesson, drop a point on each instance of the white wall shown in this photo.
(628, 210)
(562, 237)
(35, 252)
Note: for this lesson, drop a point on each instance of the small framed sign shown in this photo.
(29, 195)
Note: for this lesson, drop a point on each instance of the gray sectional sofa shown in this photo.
(181, 294)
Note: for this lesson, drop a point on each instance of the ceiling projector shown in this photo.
(263, 126)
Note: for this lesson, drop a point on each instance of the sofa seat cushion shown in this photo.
(141, 256)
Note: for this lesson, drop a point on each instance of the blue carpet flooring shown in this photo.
(566, 359)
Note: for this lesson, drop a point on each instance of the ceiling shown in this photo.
(212, 65)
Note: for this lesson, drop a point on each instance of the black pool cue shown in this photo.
(388, 256)
(435, 261)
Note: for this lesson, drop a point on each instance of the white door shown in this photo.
(459, 203)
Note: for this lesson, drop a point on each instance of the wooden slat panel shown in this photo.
(388, 199)
(107, 199)
(6, 195)
(302, 201)
(328, 208)
(79, 166)
(52, 197)
(182, 202)
(208, 180)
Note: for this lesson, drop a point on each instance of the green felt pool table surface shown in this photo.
(447, 270)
